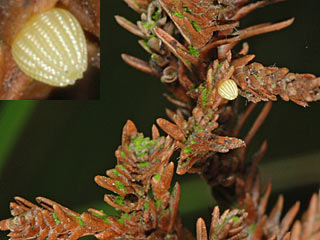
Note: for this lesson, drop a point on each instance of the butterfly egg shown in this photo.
(228, 89)
(51, 48)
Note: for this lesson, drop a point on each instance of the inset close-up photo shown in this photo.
(49, 49)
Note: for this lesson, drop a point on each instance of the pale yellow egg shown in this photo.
(228, 89)
(51, 48)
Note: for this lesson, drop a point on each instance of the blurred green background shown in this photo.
(55, 148)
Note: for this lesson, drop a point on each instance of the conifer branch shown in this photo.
(191, 50)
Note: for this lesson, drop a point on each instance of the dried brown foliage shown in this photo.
(16, 85)
(230, 225)
(204, 130)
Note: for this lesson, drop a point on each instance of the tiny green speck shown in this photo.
(190, 139)
(148, 25)
(157, 177)
(156, 15)
(205, 95)
(81, 223)
(126, 215)
(235, 219)
(144, 164)
(115, 172)
(122, 154)
(142, 145)
(145, 205)
(188, 150)
(121, 167)
(119, 200)
(56, 219)
(196, 26)
(99, 215)
(119, 185)
(196, 127)
(158, 204)
(106, 220)
(258, 78)
(120, 221)
(178, 14)
(193, 51)
(168, 236)
(164, 212)
(154, 55)
(187, 10)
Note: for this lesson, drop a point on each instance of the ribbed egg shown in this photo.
(228, 89)
(51, 48)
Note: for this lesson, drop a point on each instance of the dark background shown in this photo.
(66, 143)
